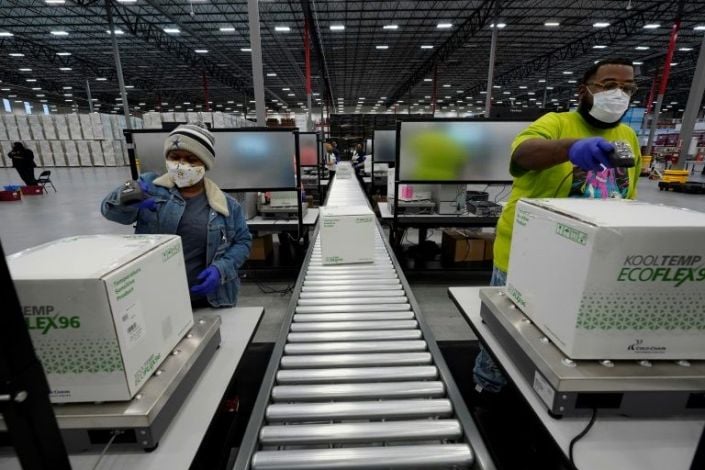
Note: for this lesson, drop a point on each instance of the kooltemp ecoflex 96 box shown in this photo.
(611, 279)
(103, 311)
(347, 234)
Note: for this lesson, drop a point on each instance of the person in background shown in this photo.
(567, 155)
(331, 160)
(336, 152)
(23, 161)
(358, 159)
(213, 231)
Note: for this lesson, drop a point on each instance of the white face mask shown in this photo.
(184, 174)
(609, 106)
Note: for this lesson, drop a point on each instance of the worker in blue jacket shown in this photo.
(214, 234)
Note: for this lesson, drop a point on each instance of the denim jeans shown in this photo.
(486, 374)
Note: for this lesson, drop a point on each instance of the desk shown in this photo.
(436, 220)
(614, 442)
(259, 223)
(180, 443)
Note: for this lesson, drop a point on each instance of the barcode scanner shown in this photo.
(622, 156)
(131, 193)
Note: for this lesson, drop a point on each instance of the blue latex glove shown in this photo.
(591, 153)
(149, 202)
(210, 278)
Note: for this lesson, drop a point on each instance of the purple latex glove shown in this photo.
(591, 154)
(210, 280)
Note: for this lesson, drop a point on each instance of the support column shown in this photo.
(692, 107)
(490, 69)
(89, 96)
(257, 71)
(434, 91)
(307, 64)
(118, 65)
(650, 101)
(545, 84)
(664, 83)
(207, 105)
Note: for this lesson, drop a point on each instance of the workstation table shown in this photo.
(614, 442)
(425, 221)
(263, 224)
(179, 444)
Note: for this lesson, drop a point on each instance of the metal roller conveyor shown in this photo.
(354, 360)
(351, 308)
(340, 293)
(351, 276)
(331, 283)
(354, 301)
(382, 335)
(353, 325)
(367, 316)
(354, 347)
(357, 410)
(348, 391)
(351, 287)
(356, 374)
(345, 433)
(356, 380)
(421, 456)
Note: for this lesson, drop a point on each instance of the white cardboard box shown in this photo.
(46, 152)
(74, 124)
(347, 234)
(86, 126)
(103, 311)
(62, 129)
(96, 122)
(57, 151)
(108, 152)
(97, 153)
(611, 279)
(48, 127)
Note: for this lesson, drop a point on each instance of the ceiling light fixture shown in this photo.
(16, 54)
(227, 29)
(681, 49)
(642, 48)
(271, 74)
(637, 63)
(63, 54)
(444, 25)
(5, 34)
(59, 33)
(652, 26)
(246, 49)
(117, 31)
(25, 70)
(382, 47)
(65, 69)
(699, 28)
(201, 51)
(172, 30)
(600, 24)
(390, 26)
(499, 25)
(282, 29)
(552, 24)
(426, 46)
(337, 27)
(599, 46)
(101, 79)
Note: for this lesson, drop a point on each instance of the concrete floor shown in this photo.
(75, 209)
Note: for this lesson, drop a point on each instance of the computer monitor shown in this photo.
(456, 150)
(244, 160)
(308, 149)
(384, 146)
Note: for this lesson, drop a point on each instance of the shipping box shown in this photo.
(347, 234)
(611, 279)
(103, 311)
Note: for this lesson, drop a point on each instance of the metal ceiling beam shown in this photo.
(477, 20)
(619, 30)
(309, 9)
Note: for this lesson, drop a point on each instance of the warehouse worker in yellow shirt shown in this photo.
(568, 155)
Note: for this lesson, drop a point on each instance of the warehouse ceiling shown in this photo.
(366, 55)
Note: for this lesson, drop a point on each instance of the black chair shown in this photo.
(44, 179)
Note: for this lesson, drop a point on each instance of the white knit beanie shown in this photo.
(195, 139)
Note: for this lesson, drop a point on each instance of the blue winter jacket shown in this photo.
(229, 239)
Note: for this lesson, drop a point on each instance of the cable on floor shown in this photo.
(582, 434)
(116, 433)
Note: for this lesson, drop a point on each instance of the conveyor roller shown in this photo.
(356, 380)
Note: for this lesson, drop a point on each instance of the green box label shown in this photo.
(572, 234)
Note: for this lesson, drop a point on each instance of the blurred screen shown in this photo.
(308, 149)
(457, 150)
(385, 146)
(243, 160)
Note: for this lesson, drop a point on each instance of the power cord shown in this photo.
(271, 290)
(582, 434)
(116, 433)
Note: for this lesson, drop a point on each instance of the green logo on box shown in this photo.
(572, 234)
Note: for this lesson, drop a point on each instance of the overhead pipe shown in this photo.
(695, 98)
